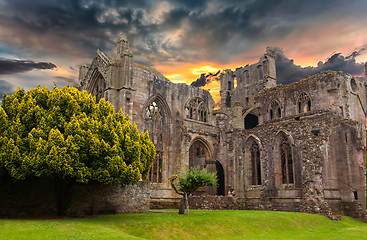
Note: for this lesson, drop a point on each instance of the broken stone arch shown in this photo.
(251, 118)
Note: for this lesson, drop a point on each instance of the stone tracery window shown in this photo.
(255, 164)
(154, 123)
(304, 103)
(286, 160)
(196, 109)
(97, 86)
(275, 110)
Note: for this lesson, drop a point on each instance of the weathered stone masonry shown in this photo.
(296, 147)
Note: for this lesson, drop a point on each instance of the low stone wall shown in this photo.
(36, 197)
(212, 202)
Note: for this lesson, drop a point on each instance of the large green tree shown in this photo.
(65, 135)
(190, 181)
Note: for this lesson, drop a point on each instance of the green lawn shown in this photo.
(199, 225)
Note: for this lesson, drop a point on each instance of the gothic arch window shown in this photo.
(275, 110)
(304, 103)
(255, 164)
(97, 85)
(197, 109)
(285, 162)
(155, 119)
(252, 162)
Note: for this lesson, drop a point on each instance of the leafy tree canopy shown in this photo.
(64, 134)
(190, 181)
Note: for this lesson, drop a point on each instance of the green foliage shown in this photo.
(63, 133)
(193, 179)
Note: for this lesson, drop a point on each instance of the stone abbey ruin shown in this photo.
(295, 147)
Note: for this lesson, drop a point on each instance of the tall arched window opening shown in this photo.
(155, 124)
(286, 160)
(255, 164)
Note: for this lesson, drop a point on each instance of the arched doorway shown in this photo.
(199, 155)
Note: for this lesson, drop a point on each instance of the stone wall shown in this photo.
(36, 197)
(212, 202)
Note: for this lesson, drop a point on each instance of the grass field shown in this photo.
(199, 225)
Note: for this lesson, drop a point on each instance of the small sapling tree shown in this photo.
(64, 135)
(190, 181)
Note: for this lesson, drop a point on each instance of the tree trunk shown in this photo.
(187, 203)
(181, 209)
(63, 193)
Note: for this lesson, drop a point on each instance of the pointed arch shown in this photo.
(200, 155)
(200, 152)
(196, 109)
(274, 109)
(156, 117)
(96, 85)
(303, 103)
(284, 159)
(253, 161)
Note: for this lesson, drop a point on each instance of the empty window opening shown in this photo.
(228, 100)
(247, 77)
(286, 162)
(304, 103)
(196, 109)
(275, 110)
(255, 165)
(229, 85)
(154, 123)
(251, 121)
(355, 193)
(261, 72)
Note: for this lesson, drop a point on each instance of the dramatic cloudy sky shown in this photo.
(42, 41)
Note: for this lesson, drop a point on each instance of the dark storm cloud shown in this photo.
(11, 66)
(210, 29)
(205, 78)
(288, 72)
